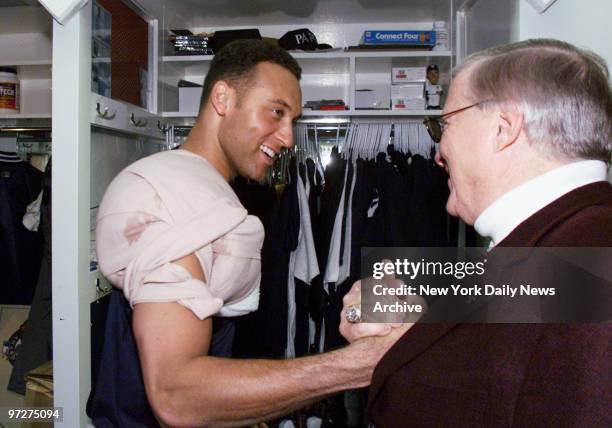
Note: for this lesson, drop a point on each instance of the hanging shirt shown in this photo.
(20, 248)
(165, 207)
(303, 264)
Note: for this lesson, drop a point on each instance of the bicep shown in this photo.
(169, 337)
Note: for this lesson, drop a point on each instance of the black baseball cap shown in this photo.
(303, 39)
(223, 37)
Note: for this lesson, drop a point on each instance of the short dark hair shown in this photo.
(236, 62)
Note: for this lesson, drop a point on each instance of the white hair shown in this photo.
(563, 92)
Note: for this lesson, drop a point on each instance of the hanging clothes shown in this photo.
(20, 248)
(259, 200)
(375, 195)
(37, 342)
(303, 268)
(393, 199)
(280, 241)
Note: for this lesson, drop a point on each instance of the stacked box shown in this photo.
(408, 88)
(408, 74)
(407, 104)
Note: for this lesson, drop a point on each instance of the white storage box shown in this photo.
(408, 90)
(189, 99)
(408, 74)
(365, 98)
(407, 103)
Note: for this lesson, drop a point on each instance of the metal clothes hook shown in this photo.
(138, 123)
(105, 114)
(163, 129)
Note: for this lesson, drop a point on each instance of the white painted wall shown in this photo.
(491, 23)
(110, 153)
(584, 23)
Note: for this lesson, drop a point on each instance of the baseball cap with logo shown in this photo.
(303, 39)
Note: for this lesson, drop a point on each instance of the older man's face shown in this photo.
(465, 152)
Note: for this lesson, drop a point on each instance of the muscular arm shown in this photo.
(186, 387)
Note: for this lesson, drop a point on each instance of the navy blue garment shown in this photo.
(259, 200)
(277, 247)
(20, 248)
(428, 197)
(330, 202)
(37, 342)
(118, 398)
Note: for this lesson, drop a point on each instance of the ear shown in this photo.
(510, 125)
(221, 97)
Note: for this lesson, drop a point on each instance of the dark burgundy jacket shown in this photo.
(508, 375)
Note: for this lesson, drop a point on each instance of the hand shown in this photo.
(366, 353)
(354, 331)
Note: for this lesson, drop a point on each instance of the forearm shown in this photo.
(224, 392)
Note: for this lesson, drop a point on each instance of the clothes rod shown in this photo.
(23, 129)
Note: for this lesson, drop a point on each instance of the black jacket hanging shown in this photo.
(20, 248)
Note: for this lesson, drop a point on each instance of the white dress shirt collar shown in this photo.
(511, 209)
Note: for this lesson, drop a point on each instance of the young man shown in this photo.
(173, 236)
(526, 142)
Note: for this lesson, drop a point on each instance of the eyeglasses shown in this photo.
(435, 125)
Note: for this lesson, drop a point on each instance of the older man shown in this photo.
(526, 142)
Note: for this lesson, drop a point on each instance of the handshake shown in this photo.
(351, 325)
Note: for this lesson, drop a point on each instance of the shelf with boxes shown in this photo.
(338, 74)
(343, 51)
(399, 82)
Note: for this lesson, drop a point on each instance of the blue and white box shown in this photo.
(399, 37)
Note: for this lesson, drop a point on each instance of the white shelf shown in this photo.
(25, 115)
(176, 114)
(328, 55)
(371, 112)
(187, 58)
(326, 112)
(24, 63)
(399, 54)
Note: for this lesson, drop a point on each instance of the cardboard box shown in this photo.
(39, 391)
(408, 104)
(189, 99)
(408, 74)
(408, 90)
